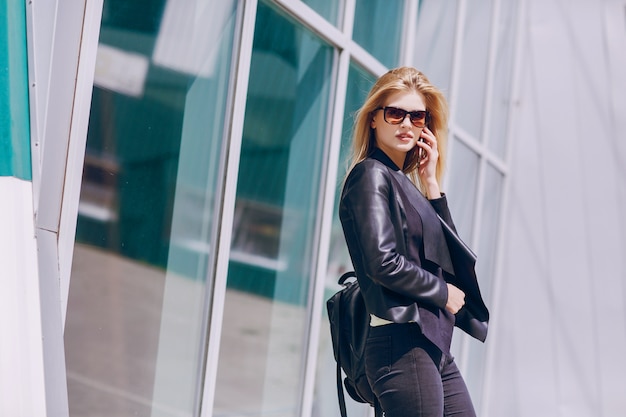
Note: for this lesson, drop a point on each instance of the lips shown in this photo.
(404, 137)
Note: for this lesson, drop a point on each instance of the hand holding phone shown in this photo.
(420, 152)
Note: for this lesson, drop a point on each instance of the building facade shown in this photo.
(173, 169)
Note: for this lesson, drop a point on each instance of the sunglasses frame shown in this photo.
(410, 113)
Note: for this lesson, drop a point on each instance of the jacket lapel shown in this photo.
(435, 245)
(441, 244)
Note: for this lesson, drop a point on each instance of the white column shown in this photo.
(22, 391)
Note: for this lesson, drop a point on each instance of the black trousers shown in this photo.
(411, 377)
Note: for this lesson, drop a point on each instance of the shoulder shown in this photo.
(369, 170)
(369, 179)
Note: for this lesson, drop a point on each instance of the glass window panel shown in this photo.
(463, 169)
(325, 402)
(135, 322)
(378, 29)
(436, 29)
(485, 264)
(328, 9)
(503, 76)
(492, 200)
(15, 150)
(266, 304)
(474, 63)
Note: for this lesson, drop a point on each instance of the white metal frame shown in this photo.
(229, 189)
(408, 44)
(62, 41)
(502, 230)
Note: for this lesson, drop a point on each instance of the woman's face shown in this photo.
(398, 139)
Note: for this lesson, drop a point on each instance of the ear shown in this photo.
(373, 123)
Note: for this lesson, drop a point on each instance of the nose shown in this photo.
(407, 120)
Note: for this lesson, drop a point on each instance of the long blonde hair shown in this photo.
(403, 79)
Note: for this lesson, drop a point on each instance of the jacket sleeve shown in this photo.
(368, 222)
(441, 207)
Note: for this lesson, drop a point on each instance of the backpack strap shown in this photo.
(340, 394)
(378, 411)
(342, 279)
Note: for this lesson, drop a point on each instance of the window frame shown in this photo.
(60, 66)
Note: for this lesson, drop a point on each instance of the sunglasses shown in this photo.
(395, 116)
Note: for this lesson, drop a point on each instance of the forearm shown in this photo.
(398, 274)
(432, 190)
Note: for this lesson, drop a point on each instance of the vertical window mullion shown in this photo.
(327, 210)
(407, 42)
(348, 21)
(455, 75)
(493, 48)
(230, 160)
(325, 221)
(498, 258)
(477, 221)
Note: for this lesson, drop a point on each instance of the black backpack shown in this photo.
(349, 328)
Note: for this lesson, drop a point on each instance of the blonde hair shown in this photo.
(403, 79)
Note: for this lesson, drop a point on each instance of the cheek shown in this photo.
(381, 134)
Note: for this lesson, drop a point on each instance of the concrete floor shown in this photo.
(132, 344)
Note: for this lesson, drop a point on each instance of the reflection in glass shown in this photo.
(328, 9)
(260, 369)
(462, 187)
(436, 29)
(378, 29)
(325, 402)
(503, 76)
(474, 63)
(134, 329)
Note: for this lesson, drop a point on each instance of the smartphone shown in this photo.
(420, 152)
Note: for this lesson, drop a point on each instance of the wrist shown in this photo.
(432, 190)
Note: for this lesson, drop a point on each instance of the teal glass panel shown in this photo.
(273, 249)
(325, 401)
(328, 9)
(474, 63)
(14, 112)
(136, 323)
(463, 184)
(378, 29)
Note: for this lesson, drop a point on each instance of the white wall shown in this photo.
(558, 333)
(21, 352)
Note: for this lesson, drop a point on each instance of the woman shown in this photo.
(392, 213)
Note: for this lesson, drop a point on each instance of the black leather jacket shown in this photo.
(399, 248)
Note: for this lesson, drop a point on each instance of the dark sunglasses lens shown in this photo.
(393, 115)
(418, 118)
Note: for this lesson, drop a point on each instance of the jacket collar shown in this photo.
(381, 156)
(435, 245)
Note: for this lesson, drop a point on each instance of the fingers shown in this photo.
(456, 299)
(428, 138)
(428, 146)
